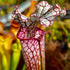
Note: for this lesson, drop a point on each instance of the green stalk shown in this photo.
(4, 63)
(15, 57)
(24, 67)
(66, 31)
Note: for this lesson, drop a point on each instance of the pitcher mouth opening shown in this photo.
(38, 34)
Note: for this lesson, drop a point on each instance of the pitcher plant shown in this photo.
(31, 37)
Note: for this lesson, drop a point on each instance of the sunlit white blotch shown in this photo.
(32, 48)
(34, 67)
(45, 22)
(63, 12)
(28, 50)
(21, 42)
(32, 60)
(38, 52)
(31, 55)
(34, 53)
(51, 18)
(31, 64)
(43, 3)
(39, 62)
(37, 47)
(25, 49)
(26, 53)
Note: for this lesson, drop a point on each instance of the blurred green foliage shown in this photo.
(16, 54)
(55, 1)
(5, 2)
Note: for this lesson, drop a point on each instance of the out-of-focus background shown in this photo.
(57, 39)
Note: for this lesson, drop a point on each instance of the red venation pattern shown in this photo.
(33, 48)
(22, 34)
(42, 49)
(31, 54)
